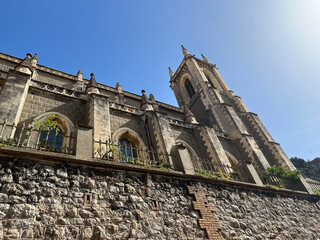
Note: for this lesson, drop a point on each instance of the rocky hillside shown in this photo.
(310, 169)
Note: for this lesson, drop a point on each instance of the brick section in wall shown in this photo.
(207, 222)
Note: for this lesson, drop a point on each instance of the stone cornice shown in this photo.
(179, 123)
(125, 108)
(58, 90)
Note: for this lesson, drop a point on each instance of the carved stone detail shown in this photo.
(59, 90)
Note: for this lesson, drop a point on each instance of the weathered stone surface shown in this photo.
(3, 198)
(122, 207)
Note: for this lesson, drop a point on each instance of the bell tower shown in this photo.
(199, 87)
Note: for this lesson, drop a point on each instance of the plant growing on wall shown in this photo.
(49, 129)
(281, 176)
(48, 124)
(213, 175)
(7, 142)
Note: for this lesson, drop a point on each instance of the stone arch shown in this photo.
(187, 163)
(184, 91)
(232, 159)
(190, 149)
(128, 134)
(236, 167)
(65, 124)
(212, 79)
(60, 141)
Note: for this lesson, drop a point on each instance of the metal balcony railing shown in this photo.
(29, 137)
(110, 151)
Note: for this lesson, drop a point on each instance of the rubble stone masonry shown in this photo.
(54, 201)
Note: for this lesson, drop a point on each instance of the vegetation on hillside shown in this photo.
(310, 169)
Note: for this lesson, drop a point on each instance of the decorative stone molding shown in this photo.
(125, 108)
(58, 90)
(179, 123)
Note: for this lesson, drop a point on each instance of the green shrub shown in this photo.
(281, 176)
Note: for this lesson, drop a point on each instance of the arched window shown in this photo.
(53, 132)
(189, 88)
(127, 151)
(209, 80)
(51, 139)
(130, 145)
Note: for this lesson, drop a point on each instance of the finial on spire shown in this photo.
(92, 81)
(204, 58)
(34, 60)
(80, 75)
(189, 116)
(145, 102)
(171, 73)
(184, 51)
(153, 102)
(26, 65)
(92, 86)
(118, 87)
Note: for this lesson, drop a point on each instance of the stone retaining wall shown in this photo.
(51, 201)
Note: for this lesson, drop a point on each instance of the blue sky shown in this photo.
(267, 51)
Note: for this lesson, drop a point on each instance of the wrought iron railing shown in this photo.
(30, 137)
(129, 154)
(315, 185)
(216, 170)
(273, 180)
(110, 151)
(210, 166)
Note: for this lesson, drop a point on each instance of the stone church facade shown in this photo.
(101, 126)
(211, 130)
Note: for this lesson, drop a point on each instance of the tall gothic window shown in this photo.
(189, 88)
(52, 139)
(209, 80)
(126, 150)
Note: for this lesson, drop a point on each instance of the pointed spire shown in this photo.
(34, 60)
(189, 116)
(204, 58)
(144, 98)
(145, 102)
(184, 51)
(26, 65)
(118, 87)
(120, 96)
(92, 86)
(92, 81)
(171, 73)
(80, 75)
(153, 102)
